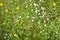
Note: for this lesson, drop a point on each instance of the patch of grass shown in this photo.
(29, 20)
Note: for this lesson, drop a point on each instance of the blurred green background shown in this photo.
(29, 19)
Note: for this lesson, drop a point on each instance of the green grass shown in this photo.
(29, 20)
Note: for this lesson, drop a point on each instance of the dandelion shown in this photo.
(54, 4)
(14, 34)
(17, 8)
(1, 4)
(6, 10)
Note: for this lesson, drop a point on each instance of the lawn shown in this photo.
(29, 19)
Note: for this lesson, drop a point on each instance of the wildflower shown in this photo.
(17, 8)
(26, 6)
(54, 4)
(1, 4)
(6, 10)
(32, 10)
(3, 23)
(56, 14)
(43, 8)
(30, 0)
(17, 20)
(35, 4)
(14, 34)
(11, 1)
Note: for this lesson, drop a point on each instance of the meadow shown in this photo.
(29, 19)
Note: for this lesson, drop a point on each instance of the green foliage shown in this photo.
(29, 19)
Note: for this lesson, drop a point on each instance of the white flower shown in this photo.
(56, 32)
(30, 4)
(35, 4)
(45, 25)
(30, 0)
(47, 18)
(43, 8)
(31, 9)
(44, 21)
(25, 2)
(41, 0)
(4, 37)
(40, 31)
(32, 20)
(33, 17)
(27, 16)
(39, 13)
(19, 16)
(36, 11)
(26, 6)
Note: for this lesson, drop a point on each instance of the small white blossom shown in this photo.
(27, 16)
(41, 0)
(25, 2)
(31, 9)
(45, 25)
(56, 32)
(35, 4)
(36, 10)
(19, 16)
(30, 4)
(33, 17)
(40, 31)
(4, 37)
(42, 8)
(11, 1)
(26, 6)
(39, 13)
(47, 18)
(40, 27)
(30, 0)
(32, 20)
